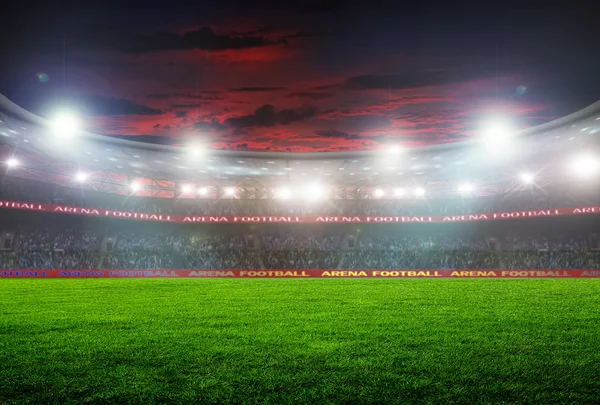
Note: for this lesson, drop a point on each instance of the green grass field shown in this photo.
(246, 341)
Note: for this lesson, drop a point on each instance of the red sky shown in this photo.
(313, 76)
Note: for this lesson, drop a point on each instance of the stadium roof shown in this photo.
(115, 162)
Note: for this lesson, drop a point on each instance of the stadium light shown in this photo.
(379, 193)
(465, 188)
(202, 191)
(314, 192)
(134, 186)
(194, 151)
(66, 124)
(12, 162)
(419, 191)
(284, 193)
(585, 165)
(395, 149)
(527, 178)
(81, 177)
(497, 135)
(230, 191)
(399, 192)
(186, 188)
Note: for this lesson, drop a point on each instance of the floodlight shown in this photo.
(395, 149)
(498, 134)
(194, 150)
(314, 192)
(134, 186)
(419, 191)
(379, 193)
(66, 124)
(527, 177)
(399, 192)
(230, 191)
(585, 165)
(81, 177)
(202, 191)
(284, 193)
(12, 162)
(465, 188)
(186, 188)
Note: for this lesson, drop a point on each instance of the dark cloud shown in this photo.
(213, 125)
(158, 96)
(96, 105)
(422, 78)
(156, 126)
(180, 114)
(313, 95)
(256, 89)
(267, 116)
(337, 134)
(186, 105)
(288, 116)
(203, 39)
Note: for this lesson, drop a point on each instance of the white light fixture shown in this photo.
(194, 151)
(498, 135)
(66, 124)
(186, 188)
(399, 192)
(419, 191)
(284, 193)
(585, 165)
(81, 177)
(230, 191)
(202, 191)
(465, 188)
(12, 162)
(314, 192)
(134, 186)
(379, 193)
(527, 177)
(395, 149)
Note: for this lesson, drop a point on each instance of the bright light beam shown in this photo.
(12, 162)
(81, 177)
(66, 124)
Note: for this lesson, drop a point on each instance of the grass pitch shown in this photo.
(299, 341)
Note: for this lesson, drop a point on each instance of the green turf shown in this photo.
(299, 341)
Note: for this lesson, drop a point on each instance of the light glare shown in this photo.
(66, 124)
(284, 193)
(527, 178)
(12, 162)
(465, 188)
(81, 177)
(419, 191)
(585, 165)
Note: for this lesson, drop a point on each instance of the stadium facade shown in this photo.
(516, 204)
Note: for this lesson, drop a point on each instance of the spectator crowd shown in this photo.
(294, 248)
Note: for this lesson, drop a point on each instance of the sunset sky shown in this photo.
(322, 75)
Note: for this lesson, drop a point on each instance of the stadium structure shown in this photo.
(55, 167)
(497, 161)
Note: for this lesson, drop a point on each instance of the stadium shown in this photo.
(104, 241)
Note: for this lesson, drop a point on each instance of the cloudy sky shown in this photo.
(318, 75)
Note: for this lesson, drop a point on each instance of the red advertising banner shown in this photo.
(287, 273)
(241, 219)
